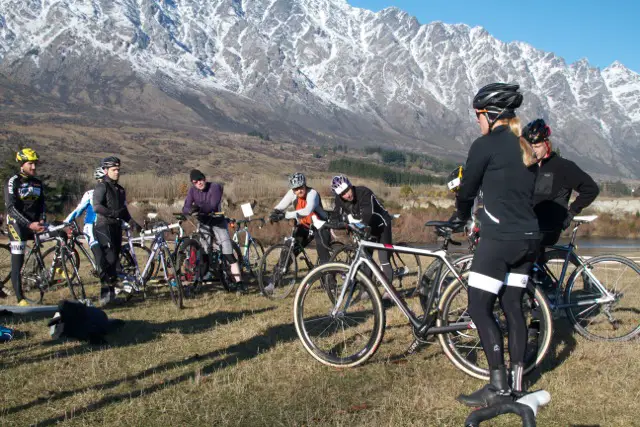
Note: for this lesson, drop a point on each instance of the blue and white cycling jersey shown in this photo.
(85, 206)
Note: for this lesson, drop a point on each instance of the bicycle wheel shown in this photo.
(278, 272)
(71, 274)
(189, 261)
(171, 277)
(33, 279)
(345, 254)
(255, 252)
(463, 348)
(618, 320)
(5, 264)
(351, 336)
(142, 255)
(407, 270)
(462, 264)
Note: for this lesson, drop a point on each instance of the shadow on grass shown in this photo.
(135, 332)
(562, 337)
(232, 355)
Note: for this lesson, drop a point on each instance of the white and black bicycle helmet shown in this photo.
(498, 101)
(99, 173)
(340, 184)
(297, 180)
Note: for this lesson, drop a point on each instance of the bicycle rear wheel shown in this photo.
(5, 264)
(278, 272)
(72, 275)
(354, 333)
(142, 254)
(33, 279)
(464, 349)
(618, 320)
(190, 262)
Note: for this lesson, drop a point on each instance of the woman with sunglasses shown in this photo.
(557, 178)
(499, 163)
(206, 198)
(363, 205)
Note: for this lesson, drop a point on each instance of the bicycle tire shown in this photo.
(255, 252)
(172, 277)
(5, 264)
(188, 259)
(580, 285)
(270, 273)
(72, 275)
(306, 322)
(33, 279)
(127, 263)
(540, 330)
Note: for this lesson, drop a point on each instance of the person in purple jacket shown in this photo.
(205, 198)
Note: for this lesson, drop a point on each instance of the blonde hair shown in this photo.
(528, 157)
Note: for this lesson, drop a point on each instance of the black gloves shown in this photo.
(195, 209)
(457, 222)
(276, 216)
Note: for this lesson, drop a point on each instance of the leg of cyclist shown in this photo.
(17, 240)
(94, 245)
(110, 238)
(384, 256)
(323, 240)
(224, 240)
(488, 270)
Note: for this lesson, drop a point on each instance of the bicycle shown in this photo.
(252, 250)
(136, 283)
(585, 298)
(401, 271)
(279, 265)
(39, 275)
(357, 325)
(196, 264)
(141, 250)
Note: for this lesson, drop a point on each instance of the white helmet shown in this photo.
(297, 180)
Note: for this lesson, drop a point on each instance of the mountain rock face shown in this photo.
(317, 70)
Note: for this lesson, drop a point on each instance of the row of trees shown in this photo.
(388, 175)
(404, 159)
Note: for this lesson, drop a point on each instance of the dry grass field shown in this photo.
(229, 360)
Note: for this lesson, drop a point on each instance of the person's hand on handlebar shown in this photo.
(37, 227)
(276, 216)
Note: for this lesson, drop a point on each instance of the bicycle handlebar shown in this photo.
(526, 408)
(162, 229)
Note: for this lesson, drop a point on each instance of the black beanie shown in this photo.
(196, 175)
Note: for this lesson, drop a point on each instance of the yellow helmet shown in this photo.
(26, 155)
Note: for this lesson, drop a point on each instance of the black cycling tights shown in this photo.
(481, 310)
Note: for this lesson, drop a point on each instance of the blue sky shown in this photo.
(600, 31)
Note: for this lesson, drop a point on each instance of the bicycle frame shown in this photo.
(422, 327)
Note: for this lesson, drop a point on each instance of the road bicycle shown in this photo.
(345, 328)
(48, 272)
(199, 257)
(600, 295)
(251, 250)
(279, 270)
(136, 283)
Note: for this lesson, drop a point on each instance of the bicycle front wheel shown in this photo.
(464, 349)
(255, 252)
(278, 272)
(172, 277)
(616, 320)
(142, 254)
(350, 336)
(33, 279)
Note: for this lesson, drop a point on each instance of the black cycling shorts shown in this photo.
(498, 262)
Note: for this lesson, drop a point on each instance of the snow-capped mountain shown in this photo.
(322, 68)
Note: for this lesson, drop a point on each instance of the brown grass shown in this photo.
(227, 360)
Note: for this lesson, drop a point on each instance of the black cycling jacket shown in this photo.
(109, 203)
(557, 177)
(495, 164)
(365, 207)
(24, 199)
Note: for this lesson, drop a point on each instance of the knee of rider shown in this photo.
(480, 302)
(231, 258)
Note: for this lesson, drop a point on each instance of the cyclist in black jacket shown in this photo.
(24, 203)
(363, 205)
(109, 203)
(501, 164)
(557, 178)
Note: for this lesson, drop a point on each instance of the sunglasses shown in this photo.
(478, 112)
(197, 181)
(295, 190)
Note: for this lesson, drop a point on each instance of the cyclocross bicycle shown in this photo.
(252, 250)
(346, 328)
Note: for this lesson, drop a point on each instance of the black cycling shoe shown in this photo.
(240, 288)
(497, 391)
